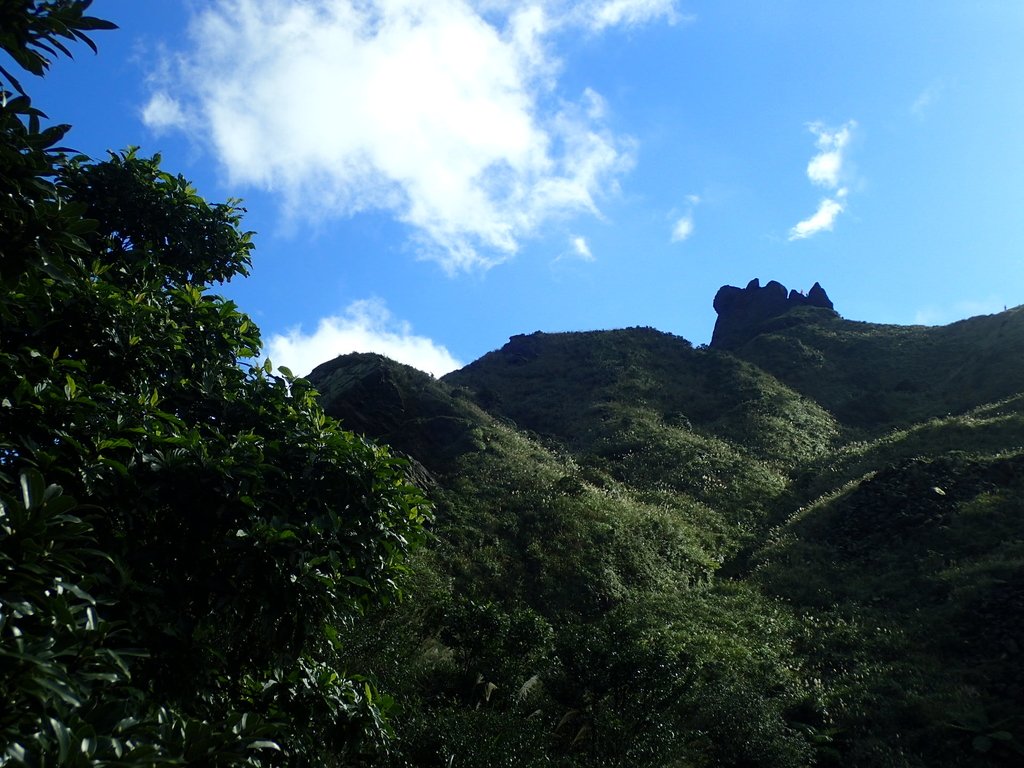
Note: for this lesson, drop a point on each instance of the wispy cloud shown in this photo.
(683, 227)
(163, 113)
(826, 169)
(366, 326)
(821, 220)
(581, 249)
(925, 99)
(448, 113)
(609, 13)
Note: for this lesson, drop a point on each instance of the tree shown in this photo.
(231, 527)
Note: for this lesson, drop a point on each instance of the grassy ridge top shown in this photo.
(570, 386)
(875, 377)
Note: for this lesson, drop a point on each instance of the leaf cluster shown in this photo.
(190, 613)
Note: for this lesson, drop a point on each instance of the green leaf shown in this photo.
(32, 488)
(60, 689)
(117, 442)
(63, 739)
(263, 744)
(88, 746)
(114, 464)
(52, 135)
(18, 753)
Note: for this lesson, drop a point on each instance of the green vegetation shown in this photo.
(921, 565)
(182, 538)
(874, 377)
(559, 616)
(649, 554)
(805, 551)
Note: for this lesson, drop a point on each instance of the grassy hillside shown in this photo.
(874, 377)
(651, 554)
(911, 583)
(648, 410)
(570, 386)
(562, 616)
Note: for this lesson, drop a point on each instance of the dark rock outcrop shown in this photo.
(743, 312)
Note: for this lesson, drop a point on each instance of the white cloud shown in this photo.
(683, 229)
(683, 226)
(366, 326)
(445, 112)
(581, 249)
(821, 219)
(609, 13)
(826, 169)
(163, 112)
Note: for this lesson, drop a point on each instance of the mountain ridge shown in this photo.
(765, 555)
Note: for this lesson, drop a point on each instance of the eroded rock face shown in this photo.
(741, 311)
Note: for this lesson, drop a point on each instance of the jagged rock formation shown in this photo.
(743, 311)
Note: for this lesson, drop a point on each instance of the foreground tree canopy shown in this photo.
(182, 535)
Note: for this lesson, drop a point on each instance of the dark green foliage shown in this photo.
(923, 564)
(658, 555)
(876, 377)
(65, 666)
(191, 613)
(565, 614)
(31, 32)
(644, 374)
(401, 406)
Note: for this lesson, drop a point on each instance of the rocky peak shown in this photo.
(743, 311)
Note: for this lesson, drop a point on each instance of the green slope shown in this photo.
(562, 616)
(804, 551)
(874, 377)
(911, 580)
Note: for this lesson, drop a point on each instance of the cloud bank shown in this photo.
(366, 326)
(825, 169)
(446, 113)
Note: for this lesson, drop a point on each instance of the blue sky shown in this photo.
(429, 177)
